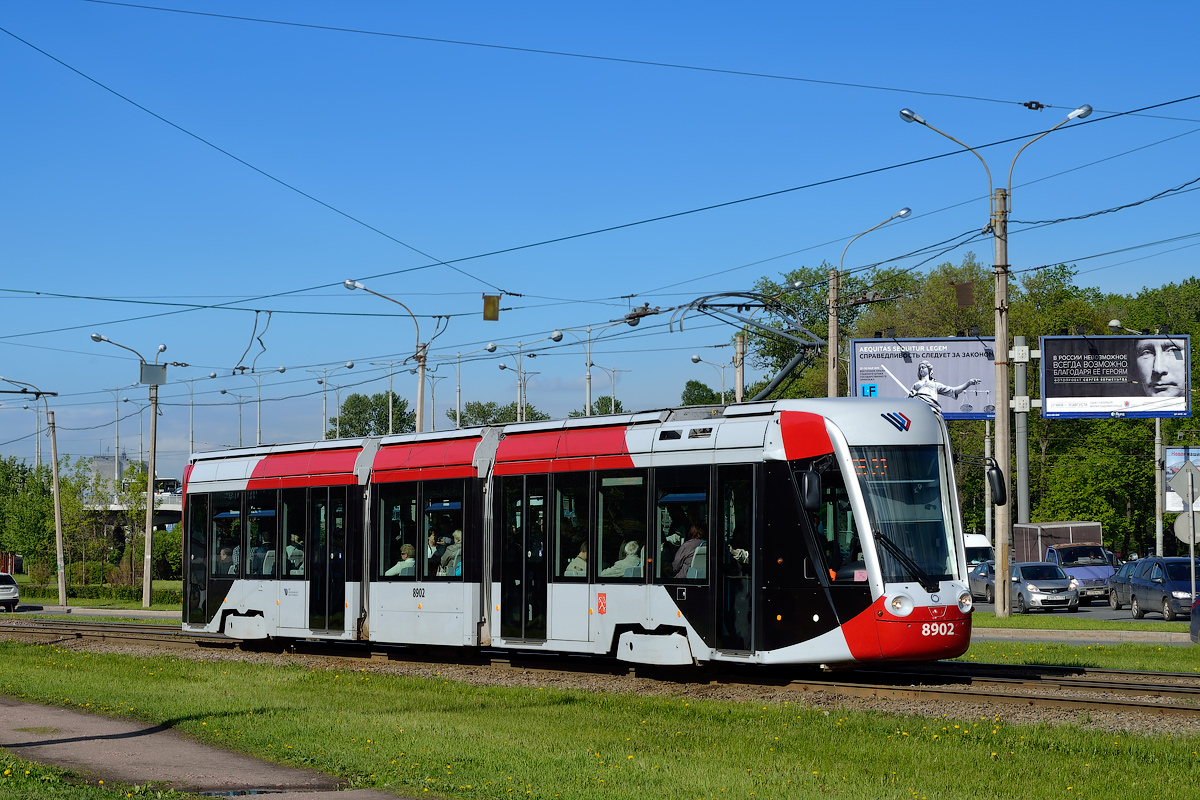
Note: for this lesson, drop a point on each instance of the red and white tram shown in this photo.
(794, 531)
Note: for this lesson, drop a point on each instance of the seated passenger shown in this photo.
(578, 564)
(224, 564)
(407, 562)
(452, 555)
(687, 551)
(630, 561)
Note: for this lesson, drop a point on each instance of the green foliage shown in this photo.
(476, 413)
(696, 393)
(601, 406)
(363, 415)
(107, 593)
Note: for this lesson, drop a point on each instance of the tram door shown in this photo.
(522, 560)
(326, 555)
(734, 558)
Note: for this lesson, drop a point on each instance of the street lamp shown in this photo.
(154, 375)
(38, 394)
(258, 381)
(835, 277)
(418, 353)
(37, 433)
(1001, 207)
(192, 408)
(517, 356)
(613, 374)
(696, 359)
(458, 384)
(322, 381)
(141, 428)
(239, 399)
(631, 319)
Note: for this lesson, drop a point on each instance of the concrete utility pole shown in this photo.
(832, 348)
(1021, 428)
(739, 389)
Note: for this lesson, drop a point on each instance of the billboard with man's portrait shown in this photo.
(1116, 376)
(955, 376)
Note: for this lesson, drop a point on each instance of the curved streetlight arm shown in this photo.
(909, 116)
(352, 285)
(904, 212)
(1080, 112)
(96, 337)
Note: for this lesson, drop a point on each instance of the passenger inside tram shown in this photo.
(451, 558)
(630, 561)
(697, 535)
(577, 567)
(407, 563)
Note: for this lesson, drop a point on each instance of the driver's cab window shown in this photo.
(833, 524)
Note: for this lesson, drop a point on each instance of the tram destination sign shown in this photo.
(957, 375)
(1093, 377)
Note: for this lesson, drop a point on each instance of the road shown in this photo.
(1096, 611)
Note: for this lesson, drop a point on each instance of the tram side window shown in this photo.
(681, 523)
(834, 526)
(444, 532)
(621, 501)
(571, 518)
(399, 536)
(197, 571)
(261, 507)
(292, 530)
(226, 539)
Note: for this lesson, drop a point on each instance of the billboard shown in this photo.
(1173, 458)
(957, 376)
(1116, 376)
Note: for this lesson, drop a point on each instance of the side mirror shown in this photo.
(998, 485)
(810, 490)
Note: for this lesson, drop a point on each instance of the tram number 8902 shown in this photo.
(937, 629)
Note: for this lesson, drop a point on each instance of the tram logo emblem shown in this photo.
(898, 420)
(602, 603)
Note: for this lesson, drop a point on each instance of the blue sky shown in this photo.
(374, 157)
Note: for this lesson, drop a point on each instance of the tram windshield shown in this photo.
(905, 489)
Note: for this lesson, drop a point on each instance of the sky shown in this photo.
(208, 180)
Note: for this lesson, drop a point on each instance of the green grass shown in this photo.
(1061, 621)
(412, 734)
(175, 623)
(1152, 657)
(26, 780)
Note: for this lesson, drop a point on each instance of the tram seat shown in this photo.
(295, 564)
(699, 567)
(633, 572)
(268, 563)
(408, 570)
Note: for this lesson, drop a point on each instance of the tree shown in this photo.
(477, 413)
(696, 393)
(363, 415)
(600, 406)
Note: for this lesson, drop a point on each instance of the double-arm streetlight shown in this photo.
(240, 399)
(835, 278)
(612, 374)
(517, 356)
(323, 381)
(1001, 207)
(258, 377)
(154, 375)
(696, 359)
(192, 409)
(419, 351)
(38, 394)
(631, 319)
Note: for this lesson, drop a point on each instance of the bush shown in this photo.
(128, 594)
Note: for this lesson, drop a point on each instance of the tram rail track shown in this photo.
(1145, 693)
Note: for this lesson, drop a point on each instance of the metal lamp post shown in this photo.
(696, 359)
(613, 374)
(258, 382)
(322, 381)
(192, 409)
(154, 375)
(1001, 207)
(835, 278)
(240, 399)
(418, 353)
(631, 319)
(38, 394)
(141, 428)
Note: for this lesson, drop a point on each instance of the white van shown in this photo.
(978, 549)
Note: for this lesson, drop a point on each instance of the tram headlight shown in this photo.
(965, 602)
(900, 605)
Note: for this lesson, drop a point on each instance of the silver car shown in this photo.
(1040, 584)
(982, 581)
(10, 594)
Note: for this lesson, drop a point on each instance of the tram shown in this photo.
(786, 532)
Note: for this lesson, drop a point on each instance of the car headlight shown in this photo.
(1074, 583)
(901, 605)
(965, 602)
(1031, 588)
(1182, 595)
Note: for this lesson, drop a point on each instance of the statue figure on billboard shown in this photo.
(928, 389)
(1160, 367)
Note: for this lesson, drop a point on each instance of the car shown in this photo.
(982, 581)
(10, 593)
(1194, 622)
(1119, 585)
(1162, 585)
(1041, 584)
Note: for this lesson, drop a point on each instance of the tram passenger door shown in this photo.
(734, 559)
(522, 559)
(326, 555)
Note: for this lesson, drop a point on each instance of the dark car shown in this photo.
(1163, 585)
(1119, 585)
(982, 581)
